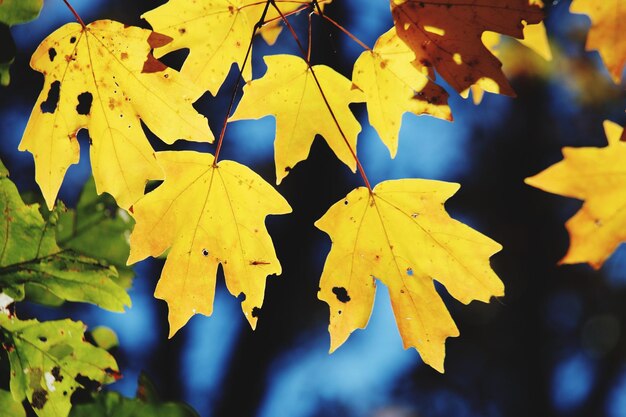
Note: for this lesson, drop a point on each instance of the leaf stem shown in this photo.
(257, 26)
(319, 87)
(345, 31)
(76, 15)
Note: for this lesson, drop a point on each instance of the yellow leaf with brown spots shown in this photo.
(207, 215)
(288, 91)
(104, 78)
(393, 86)
(608, 28)
(446, 36)
(217, 34)
(402, 235)
(598, 177)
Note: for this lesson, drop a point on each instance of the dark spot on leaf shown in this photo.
(342, 294)
(156, 40)
(409, 271)
(256, 311)
(84, 103)
(39, 399)
(50, 105)
(182, 31)
(339, 312)
(73, 39)
(52, 53)
(256, 263)
(241, 297)
(205, 252)
(43, 339)
(56, 373)
(345, 202)
(87, 383)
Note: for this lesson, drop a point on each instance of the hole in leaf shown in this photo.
(50, 105)
(84, 103)
(342, 294)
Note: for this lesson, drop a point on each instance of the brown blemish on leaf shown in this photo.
(255, 263)
(39, 399)
(124, 56)
(153, 65)
(156, 40)
(116, 375)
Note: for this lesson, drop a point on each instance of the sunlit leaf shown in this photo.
(104, 78)
(598, 177)
(288, 92)
(401, 235)
(208, 215)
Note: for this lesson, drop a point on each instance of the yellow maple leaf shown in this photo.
(393, 86)
(597, 176)
(608, 26)
(288, 92)
(217, 33)
(402, 235)
(446, 35)
(207, 215)
(104, 78)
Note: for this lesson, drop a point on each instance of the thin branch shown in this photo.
(76, 15)
(257, 26)
(344, 30)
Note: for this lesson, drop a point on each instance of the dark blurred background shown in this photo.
(555, 345)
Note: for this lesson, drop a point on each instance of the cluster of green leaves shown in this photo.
(65, 255)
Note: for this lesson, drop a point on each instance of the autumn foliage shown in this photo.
(106, 77)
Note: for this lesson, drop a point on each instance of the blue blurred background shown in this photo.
(554, 346)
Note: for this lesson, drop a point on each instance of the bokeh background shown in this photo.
(555, 345)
